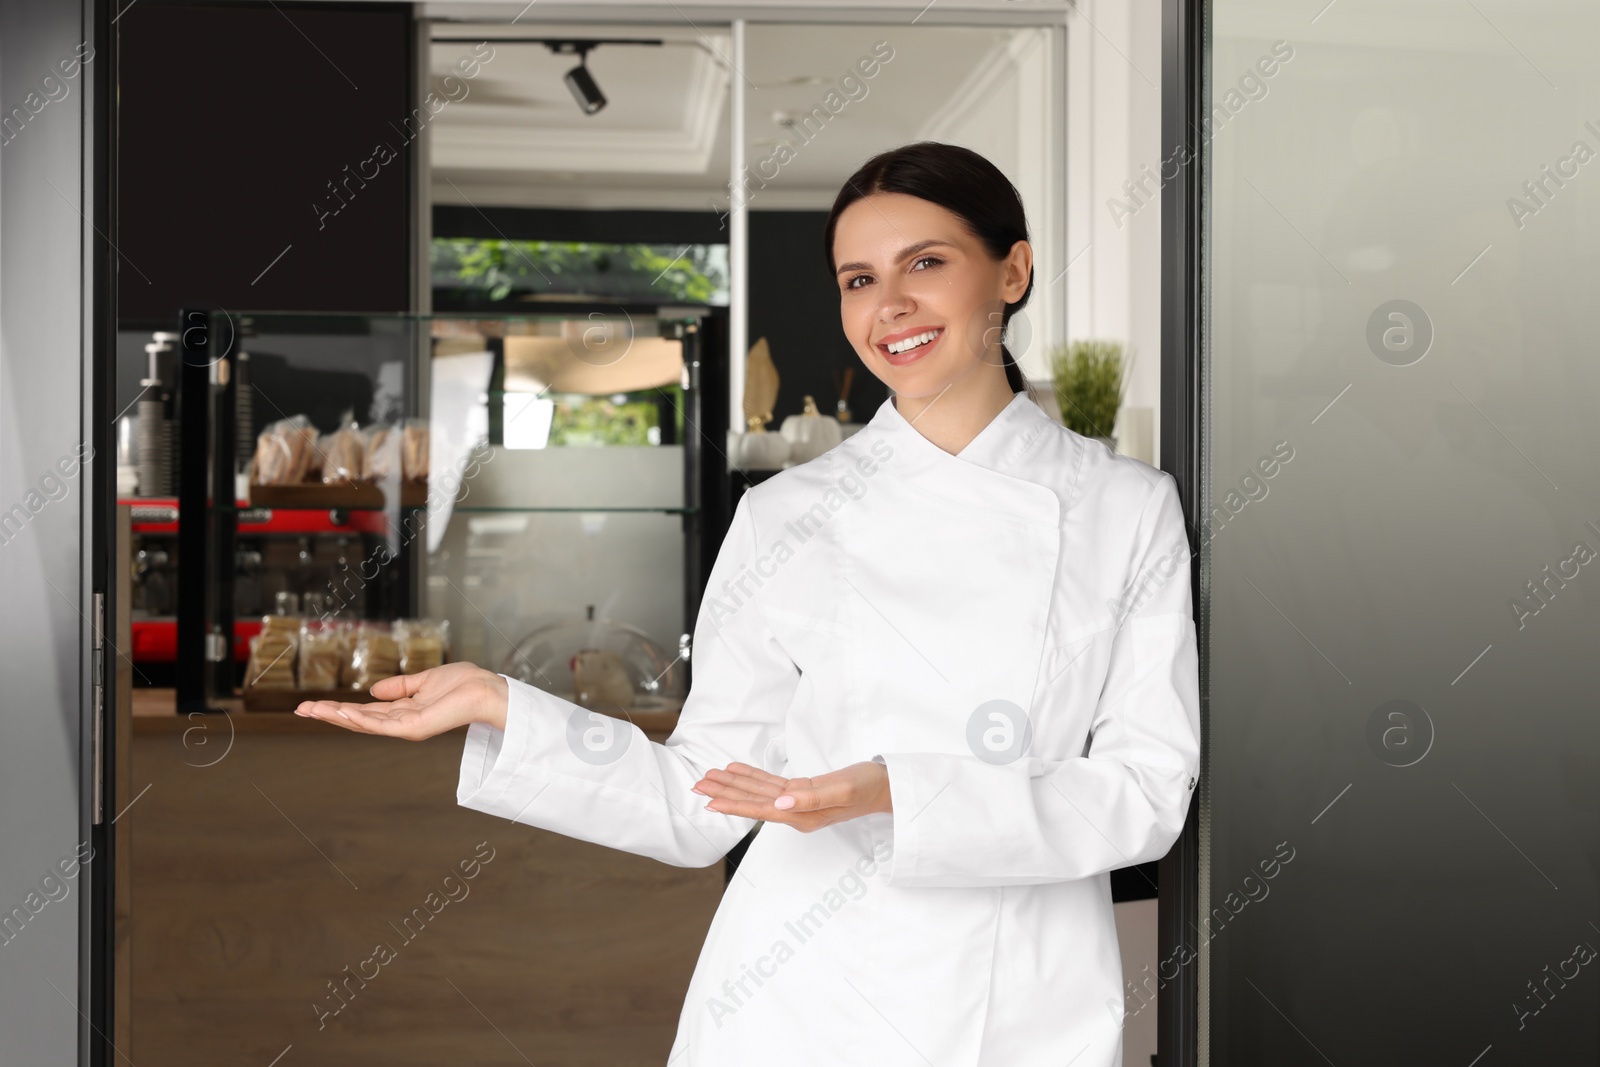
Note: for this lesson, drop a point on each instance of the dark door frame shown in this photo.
(1183, 97)
(57, 500)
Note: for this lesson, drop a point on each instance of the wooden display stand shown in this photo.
(349, 496)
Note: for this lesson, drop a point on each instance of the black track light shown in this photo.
(584, 89)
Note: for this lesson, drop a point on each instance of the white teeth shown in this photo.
(911, 342)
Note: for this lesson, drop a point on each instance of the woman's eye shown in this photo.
(935, 260)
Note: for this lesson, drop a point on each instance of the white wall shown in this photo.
(1114, 292)
(1113, 134)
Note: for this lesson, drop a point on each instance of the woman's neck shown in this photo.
(954, 416)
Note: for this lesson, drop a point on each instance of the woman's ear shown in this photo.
(1016, 271)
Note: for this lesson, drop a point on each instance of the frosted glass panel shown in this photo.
(1402, 801)
(500, 575)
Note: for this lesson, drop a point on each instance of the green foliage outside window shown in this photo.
(581, 420)
(519, 270)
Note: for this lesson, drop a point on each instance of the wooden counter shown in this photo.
(269, 853)
(154, 711)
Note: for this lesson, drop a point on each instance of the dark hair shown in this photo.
(963, 183)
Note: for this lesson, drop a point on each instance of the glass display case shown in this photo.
(531, 482)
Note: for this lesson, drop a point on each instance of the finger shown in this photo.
(716, 782)
(724, 791)
(748, 809)
(757, 772)
(329, 712)
(805, 822)
(369, 718)
(398, 686)
(315, 709)
(748, 783)
(331, 709)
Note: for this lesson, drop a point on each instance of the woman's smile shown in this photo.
(892, 348)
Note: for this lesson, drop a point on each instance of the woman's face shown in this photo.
(908, 267)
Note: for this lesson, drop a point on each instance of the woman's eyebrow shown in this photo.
(905, 254)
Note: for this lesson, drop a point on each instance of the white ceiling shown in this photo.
(517, 138)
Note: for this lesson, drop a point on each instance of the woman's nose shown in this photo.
(893, 302)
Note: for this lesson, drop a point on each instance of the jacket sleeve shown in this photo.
(960, 821)
(600, 779)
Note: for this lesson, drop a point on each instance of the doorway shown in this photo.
(224, 882)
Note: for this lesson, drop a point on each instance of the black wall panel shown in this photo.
(265, 158)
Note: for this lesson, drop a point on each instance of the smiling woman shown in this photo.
(938, 261)
(852, 700)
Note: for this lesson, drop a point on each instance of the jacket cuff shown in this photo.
(491, 757)
(906, 806)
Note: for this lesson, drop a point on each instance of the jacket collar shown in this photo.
(989, 472)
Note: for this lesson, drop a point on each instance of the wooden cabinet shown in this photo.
(271, 856)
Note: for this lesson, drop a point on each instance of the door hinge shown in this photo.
(98, 675)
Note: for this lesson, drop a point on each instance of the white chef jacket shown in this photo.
(1009, 631)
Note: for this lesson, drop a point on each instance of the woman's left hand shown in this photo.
(805, 803)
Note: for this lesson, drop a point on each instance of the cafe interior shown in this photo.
(453, 332)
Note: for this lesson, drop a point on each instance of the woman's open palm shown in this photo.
(421, 705)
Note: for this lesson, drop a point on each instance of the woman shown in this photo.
(952, 662)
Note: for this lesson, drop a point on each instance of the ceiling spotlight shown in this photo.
(584, 88)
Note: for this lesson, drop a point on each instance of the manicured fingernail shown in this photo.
(344, 713)
(785, 802)
(708, 805)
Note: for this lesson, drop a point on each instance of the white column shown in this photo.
(738, 241)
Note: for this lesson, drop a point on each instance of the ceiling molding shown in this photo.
(589, 197)
(720, 12)
(519, 138)
(988, 77)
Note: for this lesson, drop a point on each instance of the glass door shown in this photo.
(1401, 514)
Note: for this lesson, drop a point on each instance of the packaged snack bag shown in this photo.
(343, 452)
(378, 457)
(284, 452)
(414, 450)
(424, 644)
(321, 653)
(346, 631)
(376, 655)
(272, 653)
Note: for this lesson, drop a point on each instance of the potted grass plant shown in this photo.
(1088, 378)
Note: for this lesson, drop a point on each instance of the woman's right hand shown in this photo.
(421, 705)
